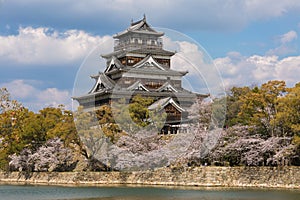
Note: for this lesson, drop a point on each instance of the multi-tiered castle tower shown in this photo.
(140, 65)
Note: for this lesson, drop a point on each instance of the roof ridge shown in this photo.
(137, 22)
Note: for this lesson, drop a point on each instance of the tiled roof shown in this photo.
(161, 103)
(114, 63)
(152, 51)
(140, 26)
(103, 82)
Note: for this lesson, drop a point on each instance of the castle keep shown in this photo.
(140, 66)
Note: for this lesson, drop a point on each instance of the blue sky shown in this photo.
(43, 43)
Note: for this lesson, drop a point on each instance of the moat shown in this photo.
(31, 192)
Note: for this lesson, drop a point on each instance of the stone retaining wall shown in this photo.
(283, 177)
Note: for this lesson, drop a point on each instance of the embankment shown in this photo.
(269, 177)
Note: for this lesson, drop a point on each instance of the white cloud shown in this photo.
(289, 69)
(19, 89)
(53, 97)
(263, 66)
(233, 69)
(258, 69)
(46, 46)
(188, 57)
(288, 37)
(282, 50)
(203, 76)
(286, 44)
(34, 98)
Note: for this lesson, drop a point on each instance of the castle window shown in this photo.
(136, 40)
(130, 61)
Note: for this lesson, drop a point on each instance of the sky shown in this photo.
(44, 43)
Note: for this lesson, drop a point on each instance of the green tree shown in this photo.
(21, 128)
(288, 115)
(30, 130)
(234, 102)
(259, 107)
(138, 109)
(59, 122)
(106, 121)
(12, 114)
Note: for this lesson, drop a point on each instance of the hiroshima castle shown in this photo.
(139, 65)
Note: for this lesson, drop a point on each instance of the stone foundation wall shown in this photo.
(283, 177)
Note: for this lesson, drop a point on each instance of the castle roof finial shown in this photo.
(144, 17)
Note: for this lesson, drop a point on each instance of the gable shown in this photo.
(113, 64)
(137, 86)
(102, 83)
(166, 103)
(175, 105)
(167, 87)
(149, 63)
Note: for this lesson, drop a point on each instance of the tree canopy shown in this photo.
(21, 128)
(262, 127)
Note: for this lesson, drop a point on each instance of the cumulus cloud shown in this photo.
(27, 92)
(288, 69)
(262, 66)
(45, 46)
(203, 76)
(257, 69)
(53, 97)
(19, 89)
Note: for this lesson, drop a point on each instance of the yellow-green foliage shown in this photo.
(138, 110)
(20, 128)
(272, 109)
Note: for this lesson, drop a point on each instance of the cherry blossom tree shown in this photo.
(52, 156)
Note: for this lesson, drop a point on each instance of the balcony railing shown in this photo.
(133, 46)
(138, 43)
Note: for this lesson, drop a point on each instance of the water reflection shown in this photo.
(237, 197)
(28, 192)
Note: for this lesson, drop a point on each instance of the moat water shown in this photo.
(30, 192)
